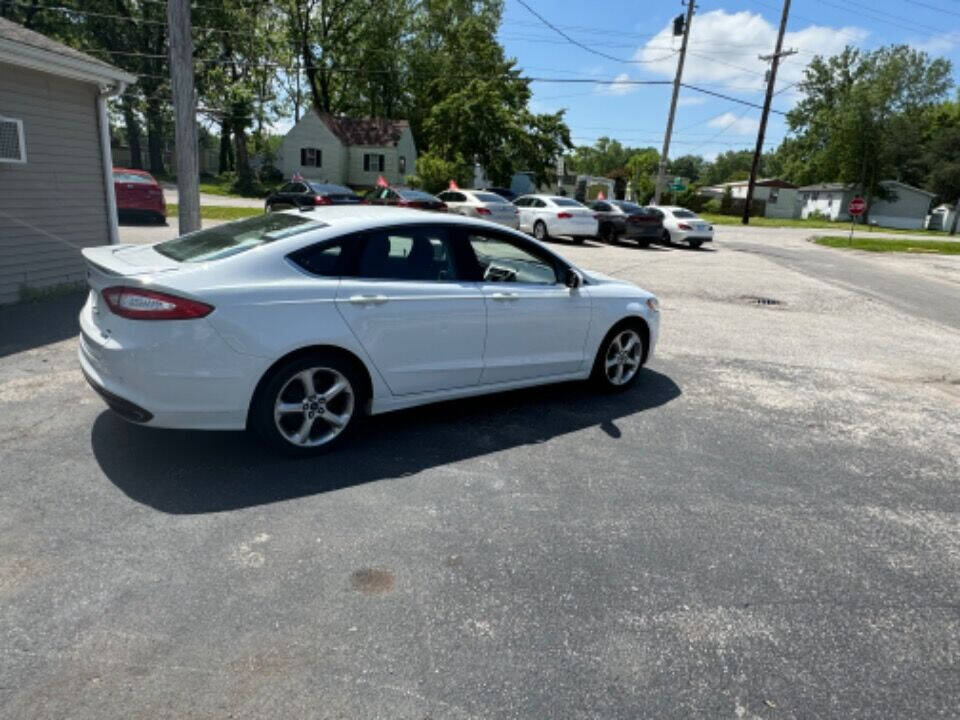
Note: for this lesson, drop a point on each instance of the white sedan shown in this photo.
(546, 216)
(483, 205)
(684, 226)
(295, 324)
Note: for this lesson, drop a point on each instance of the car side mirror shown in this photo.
(573, 280)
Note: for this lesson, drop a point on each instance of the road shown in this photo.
(768, 526)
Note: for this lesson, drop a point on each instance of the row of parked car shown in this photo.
(543, 216)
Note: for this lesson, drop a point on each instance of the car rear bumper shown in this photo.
(634, 232)
(175, 380)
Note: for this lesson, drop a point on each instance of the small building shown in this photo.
(56, 173)
(349, 151)
(941, 217)
(906, 209)
(780, 198)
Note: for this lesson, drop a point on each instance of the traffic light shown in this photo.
(678, 25)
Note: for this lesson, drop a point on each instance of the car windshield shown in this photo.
(133, 178)
(685, 214)
(219, 242)
(489, 197)
(326, 189)
(565, 202)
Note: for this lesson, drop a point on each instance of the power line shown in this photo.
(580, 45)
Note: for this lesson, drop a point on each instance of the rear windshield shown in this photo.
(565, 202)
(325, 189)
(630, 207)
(132, 178)
(683, 214)
(415, 195)
(224, 240)
(488, 197)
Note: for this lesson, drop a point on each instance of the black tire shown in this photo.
(600, 377)
(695, 244)
(608, 233)
(643, 243)
(542, 234)
(665, 238)
(579, 240)
(275, 428)
(160, 219)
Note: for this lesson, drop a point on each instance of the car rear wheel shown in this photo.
(665, 238)
(619, 359)
(696, 244)
(540, 230)
(644, 243)
(309, 405)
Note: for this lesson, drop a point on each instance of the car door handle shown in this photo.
(504, 296)
(368, 299)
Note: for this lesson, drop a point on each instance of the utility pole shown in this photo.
(662, 170)
(771, 81)
(181, 81)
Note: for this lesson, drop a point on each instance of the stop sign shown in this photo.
(857, 206)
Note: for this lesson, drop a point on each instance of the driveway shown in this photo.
(767, 526)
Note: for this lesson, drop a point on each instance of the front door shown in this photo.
(536, 325)
(420, 323)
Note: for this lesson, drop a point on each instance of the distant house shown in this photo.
(907, 209)
(349, 151)
(781, 198)
(56, 177)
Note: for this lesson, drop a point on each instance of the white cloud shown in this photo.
(938, 44)
(735, 125)
(619, 86)
(688, 100)
(724, 47)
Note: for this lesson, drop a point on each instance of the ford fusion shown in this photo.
(296, 324)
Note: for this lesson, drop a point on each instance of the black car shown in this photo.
(621, 219)
(506, 194)
(405, 197)
(310, 194)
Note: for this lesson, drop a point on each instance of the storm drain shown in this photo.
(757, 300)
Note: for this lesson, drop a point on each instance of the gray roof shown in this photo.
(828, 187)
(11, 32)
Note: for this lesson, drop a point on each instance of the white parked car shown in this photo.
(295, 324)
(546, 216)
(483, 205)
(684, 226)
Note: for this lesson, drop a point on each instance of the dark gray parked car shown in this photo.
(621, 219)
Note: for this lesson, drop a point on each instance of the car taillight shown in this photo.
(442, 207)
(322, 200)
(596, 216)
(482, 211)
(564, 215)
(140, 304)
(684, 226)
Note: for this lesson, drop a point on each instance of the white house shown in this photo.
(781, 198)
(349, 151)
(907, 208)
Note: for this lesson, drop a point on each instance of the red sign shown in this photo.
(382, 181)
(857, 206)
(601, 196)
(453, 185)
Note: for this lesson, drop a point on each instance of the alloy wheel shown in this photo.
(314, 406)
(622, 359)
(539, 231)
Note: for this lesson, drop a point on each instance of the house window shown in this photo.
(311, 157)
(402, 165)
(774, 192)
(372, 162)
(815, 196)
(12, 149)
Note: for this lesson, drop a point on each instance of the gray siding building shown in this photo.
(906, 209)
(56, 182)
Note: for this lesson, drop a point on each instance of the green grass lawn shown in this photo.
(947, 247)
(813, 224)
(218, 212)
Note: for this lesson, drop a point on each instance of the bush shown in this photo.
(434, 173)
(712, 206)
(269, 175)
(817, 215)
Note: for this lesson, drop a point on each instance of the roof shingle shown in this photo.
(376, 132)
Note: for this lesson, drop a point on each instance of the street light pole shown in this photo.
(771, 81)
(662, 169)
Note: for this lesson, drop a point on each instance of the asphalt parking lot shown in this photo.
(767, 526)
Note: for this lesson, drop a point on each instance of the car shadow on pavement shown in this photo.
(28, 325)
(182, 472)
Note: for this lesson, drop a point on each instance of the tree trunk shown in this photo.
(226, 149)
(155, 135)
(132, 128)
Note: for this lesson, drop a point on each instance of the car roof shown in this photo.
(328, 187)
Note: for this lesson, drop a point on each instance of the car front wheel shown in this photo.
(309, 405)
(619, 359)
(540, 230)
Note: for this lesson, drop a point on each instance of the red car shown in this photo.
(139, 194)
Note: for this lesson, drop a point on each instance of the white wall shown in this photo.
(311, 131)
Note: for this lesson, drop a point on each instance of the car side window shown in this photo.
(452, 196)
(522, 202)
(537, 202)
(287, 188)
(417, 253)
(602, 207)
(327, 259)
(504, 259)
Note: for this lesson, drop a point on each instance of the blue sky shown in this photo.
(725, 40)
